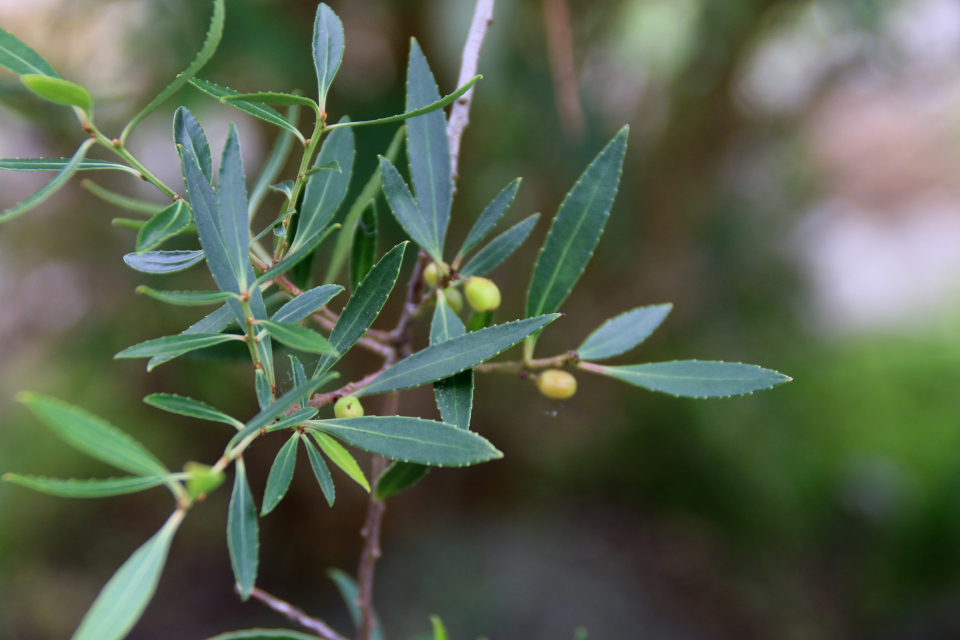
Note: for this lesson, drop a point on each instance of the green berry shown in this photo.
(203, 479)
(431, 274)
(556, 384)
(348, 407)
(454, 299)
(482, 294)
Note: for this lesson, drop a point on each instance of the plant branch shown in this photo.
(460, 112)
(371, 537)
(519, 367)
(295, 614)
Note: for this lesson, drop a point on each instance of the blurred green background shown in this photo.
(792, 185)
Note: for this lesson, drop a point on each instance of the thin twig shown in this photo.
(400, 339)
(519, 367)
(460, 112)
(556, 17)
(295, 614)
(371, 538)
(323, 399)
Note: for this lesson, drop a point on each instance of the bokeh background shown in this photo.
(792, 185)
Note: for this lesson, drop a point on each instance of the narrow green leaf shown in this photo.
(295, 256)
(326, 190)
(214, 322)
(188, 132)
(348, 591)
(364, 306)
(327, 49)
(263, 389)
(266, 634)
(306, 303)
(428, 148)
(328, 166)
(398, 477)
(623, 332)
(273, 165)
(191, 408)
(163, 226)
(454, 395)
(411, 440)
(254, 109)
(218, 248)
(59, 91)
(94, 436)
(491, 216)
(576, 230)
(163, 261)
(364, 251)
(499, 248)
(444, 359)
(210, 43)
(439, 631)
(695, 378)
(369, 192)
(342, 458)
(479, 320)
(293, 420)
(406, 210)
(186, 298)
(51, 187)
(57, 164)
(243, 532)
(439, 104)
(299, 377)
(297, 337)
(93, 488)
(175, 345)
(320, 470)
(232, 206)
(221, 258)
(285, 187)
(276, 410)
(123, 599)
(281, 473)
(277, 225)
(20, 58)
(124, 202)
(273, 97)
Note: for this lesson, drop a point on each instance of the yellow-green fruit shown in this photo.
(202, 480)
(454, 299)
(348, 407)
(431, 274)
(482, 294)
(556, 384)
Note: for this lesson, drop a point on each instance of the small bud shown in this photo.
(454, 299)
(482, 294)
(431, 273)
(348, 407)
(556, 384)
(202, 479)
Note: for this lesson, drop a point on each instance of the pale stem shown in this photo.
(295, 614)
(460, 112)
